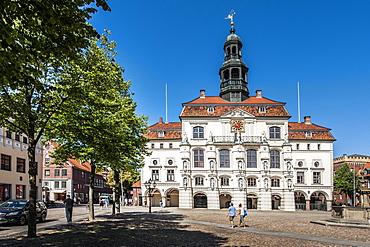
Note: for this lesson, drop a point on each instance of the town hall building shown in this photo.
(238, 148)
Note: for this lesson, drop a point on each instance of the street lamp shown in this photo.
(150, 186)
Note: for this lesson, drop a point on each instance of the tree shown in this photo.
(345, 179)
(37, 39)
(101, 127)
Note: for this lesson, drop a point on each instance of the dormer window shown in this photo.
(211, 109)
(160, 133)
(262, 109)
(309, 134)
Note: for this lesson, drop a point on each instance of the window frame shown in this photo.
(57, 172)
(225, 181)
(47, 173)
(316, 178)
(171, 175)
(275, 159)
(252, 182)
(6, 162)
(224, 155)
(21, 165)
(251, 158)
(198, 132)
(199, 181)
(300, 177)
(275, 132)
(155, 175)
(275, 182)
(198, 158)
(64, 172)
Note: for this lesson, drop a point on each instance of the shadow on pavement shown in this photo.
(129, 229)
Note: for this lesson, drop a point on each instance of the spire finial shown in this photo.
(231, 17)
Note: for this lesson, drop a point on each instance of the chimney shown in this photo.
(259, 94)
(160, 120)
(307, 119)
(202, 93)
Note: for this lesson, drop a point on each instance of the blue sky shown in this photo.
(324, 45)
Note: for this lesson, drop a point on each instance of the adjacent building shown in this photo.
(239, 148)
(14, 179)
(70, 178)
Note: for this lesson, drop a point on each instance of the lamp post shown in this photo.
(150, 186)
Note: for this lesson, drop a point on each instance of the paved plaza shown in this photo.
(186, 227)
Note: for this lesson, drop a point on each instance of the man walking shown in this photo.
(231, 214)
(69, 206)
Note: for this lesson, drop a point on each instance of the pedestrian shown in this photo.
(101, 203)
(69, 207)
(242, 213)
(106, 202)
(161, 203)
(231, 214)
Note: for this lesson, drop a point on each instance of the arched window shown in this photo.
(224, 158)
(198, 158)
(251, 158)
(275, 182)
(225, 181)
(198, 132)
(274, 133)
(274, 159)
(252, 182)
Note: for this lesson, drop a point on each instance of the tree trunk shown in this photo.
(91, 192)
(117, 190)
(32, 173)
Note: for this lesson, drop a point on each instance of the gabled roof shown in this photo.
(170, 130)
(137, 184)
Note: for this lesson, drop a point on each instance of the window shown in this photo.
(155, 162)
(83, 174)
(252, 182)
(47, 160)
(161, 145)
(274, 159)
(262, 109)
(300, 163)
(251, 158)
(198, 132)
(47, 173)
(64, 184)
(274, 133)
(64, 172)
(17, 137)
(21, 165)
(297, 146)
(225, 181)
(308, 146)
(308, 134)
(300, 177)
(20, 191)
(275, 182)
(170, 175)
(25, 140)
(317, 177)
(152, 145)
(318, 147)
(224, 158)
(170, 162)
(9, 135)
(170, 145)
(56, 184)
(46, 183)
(199, 181)
(160, 133)
(56, 172)
(5, 162)
(198, 158)
(210, 109)
(316, 164)
(155, 175)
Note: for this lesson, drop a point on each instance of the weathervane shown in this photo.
(231, 17)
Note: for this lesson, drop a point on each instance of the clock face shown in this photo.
(237, 125)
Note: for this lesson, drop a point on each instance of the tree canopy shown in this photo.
(344, 180)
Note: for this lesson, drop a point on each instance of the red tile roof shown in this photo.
(137, 184)
(219, 100)
(171, 131)
(297, 131)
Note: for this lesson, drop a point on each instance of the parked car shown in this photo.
(16, 211)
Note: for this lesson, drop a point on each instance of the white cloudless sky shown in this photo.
(324, 45)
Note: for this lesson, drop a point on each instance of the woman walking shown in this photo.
(242, 213)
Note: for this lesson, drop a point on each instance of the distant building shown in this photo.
(71, 178)
(356, 162)
(239, 148)
(364, 193)
(136, 194)
(14, 179)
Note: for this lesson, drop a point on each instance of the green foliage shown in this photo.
(37, 39)
(343, 179)
(127, 178)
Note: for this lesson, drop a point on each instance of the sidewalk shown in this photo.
(195, 227)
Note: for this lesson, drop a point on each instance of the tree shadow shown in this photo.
(128, 229)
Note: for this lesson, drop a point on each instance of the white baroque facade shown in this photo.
(239, 148)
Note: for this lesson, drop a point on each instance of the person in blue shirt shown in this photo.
(232, 214)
